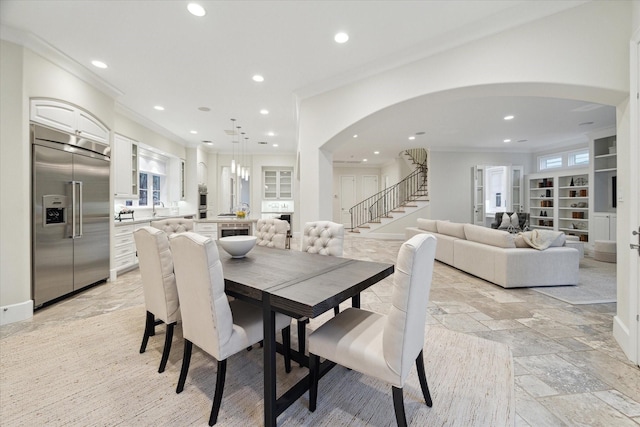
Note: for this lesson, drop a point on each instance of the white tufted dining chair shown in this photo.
(159, 286)
(272, 233)
(173, 225)
(323, 237)
(383, 346)
(217, 326)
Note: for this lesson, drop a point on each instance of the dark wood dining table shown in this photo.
(297, 284)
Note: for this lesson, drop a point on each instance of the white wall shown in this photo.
(451, 179)
(581, 53)
(15, 244)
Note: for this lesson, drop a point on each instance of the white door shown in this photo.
(347, 198)
(369, 186)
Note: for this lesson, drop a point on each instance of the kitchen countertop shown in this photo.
(126, 221)
(216, 220)
(226, 219)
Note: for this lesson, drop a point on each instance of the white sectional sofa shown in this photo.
(500, 257)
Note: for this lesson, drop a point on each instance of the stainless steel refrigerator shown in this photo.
(70, 213)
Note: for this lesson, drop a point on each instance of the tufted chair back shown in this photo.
(156, 269)
(323, 237)
(207, 321)
(173, 225)
(272, 233)
(403, 336)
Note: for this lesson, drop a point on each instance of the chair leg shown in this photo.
(398, 405)
(167, 347)
(217, 397)
(149, 331)
(186, 358)
(286, 343)
(314, 377)
(423, 380)
(302, 325)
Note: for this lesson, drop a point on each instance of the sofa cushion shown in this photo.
(427, 225)
(489, 236)
(451, 229)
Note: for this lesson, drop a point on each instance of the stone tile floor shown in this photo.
(569, 369)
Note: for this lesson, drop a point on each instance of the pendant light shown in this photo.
(240, 160)
(233, 147)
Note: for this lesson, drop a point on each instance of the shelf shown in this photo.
(573, 198)
(575, 219)
(605, 156)
(568, 208)
(573, 230)
(573, 187)
(540, 226)
(541, 217)
(605, 170)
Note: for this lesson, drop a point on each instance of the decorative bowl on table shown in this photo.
(237, 246)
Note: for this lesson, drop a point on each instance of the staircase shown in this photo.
(391, 203)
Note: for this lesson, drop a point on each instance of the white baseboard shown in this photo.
(623, 336)
(16, 312)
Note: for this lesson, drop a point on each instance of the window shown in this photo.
(550, 162)
(152, 178)
(579, 158)
(145, 189)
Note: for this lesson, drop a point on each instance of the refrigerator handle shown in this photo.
(73, 209)
(76, 209)
(80, 208)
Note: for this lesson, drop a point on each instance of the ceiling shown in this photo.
(159, 54)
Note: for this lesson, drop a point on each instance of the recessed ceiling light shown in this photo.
(341, 38)
(208, 142)
(258, 78)
(412, 138)
(506, 140)
(355, 136)
(376, 152)
(204, 108)
(159, 108)
(508, 117)
(99, 64)
(193, 132)
(264, 112)
(364, 160)
(271, 133)
(196, 9)
(275, 145)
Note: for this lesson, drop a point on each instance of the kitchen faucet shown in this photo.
(154, 213)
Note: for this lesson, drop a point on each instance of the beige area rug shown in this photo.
(597, 285)
(89, 373)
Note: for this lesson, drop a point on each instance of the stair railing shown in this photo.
(380, 205)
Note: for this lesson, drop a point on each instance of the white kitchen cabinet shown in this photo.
(604, 226)
(68, 118)
(208, 229)
(124, 247)
(125, 166)
(278, 183)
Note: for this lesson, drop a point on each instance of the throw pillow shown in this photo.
(506, 222)
(515, 221)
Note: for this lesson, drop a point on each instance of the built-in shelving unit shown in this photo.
(604, 167)
(541, 202)
(573, 205)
